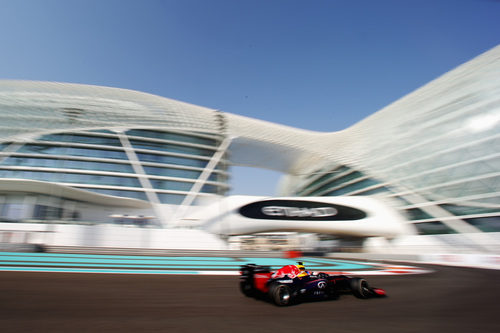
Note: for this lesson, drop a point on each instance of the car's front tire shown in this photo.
(360, 288)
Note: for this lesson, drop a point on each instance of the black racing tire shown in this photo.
(247, 288)
(331, 292)
(360, 288)
(280, 294)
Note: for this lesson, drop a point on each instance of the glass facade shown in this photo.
(170, 162)
(434, 154)
(38, 208)
(467, 189)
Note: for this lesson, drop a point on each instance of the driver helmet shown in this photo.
(302, 269)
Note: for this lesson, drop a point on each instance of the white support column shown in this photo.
(145, 183)
(198, 184)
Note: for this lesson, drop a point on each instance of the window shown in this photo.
(174, 199)
(172, 137)
(169, 172)
(79, 138)
(119, 193)
(354, 187)
(208, 188)
(67, 164)
(338, 182)
(374, 191)
(417, 214)
(486, 224)
(468, 210)
(43, 212)
(72, 151)
(171, 148)
(170, 185)
(163, 159)
(433, 228)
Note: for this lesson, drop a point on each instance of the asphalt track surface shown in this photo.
(449, 300)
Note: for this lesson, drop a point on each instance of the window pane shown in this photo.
(433, 228)
(417, 214)
(170, 185)
(486, 224)
(171, 148)
(468, 210)
(163, 159)
(81, 138)
(67, 164)
(169, 172)
(174, 199)
(119, 193)
(172, 137)
(72, 151)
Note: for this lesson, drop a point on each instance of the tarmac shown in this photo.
(451, 299)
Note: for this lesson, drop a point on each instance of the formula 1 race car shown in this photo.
(292, 284)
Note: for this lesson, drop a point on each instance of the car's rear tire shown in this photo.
(247, 288)
(281, 294)
(360, 288)
(246, 280)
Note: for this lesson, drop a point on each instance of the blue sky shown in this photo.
(319, 65)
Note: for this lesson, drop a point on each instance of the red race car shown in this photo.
(292, 284)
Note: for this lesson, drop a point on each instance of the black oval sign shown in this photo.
(300, 210)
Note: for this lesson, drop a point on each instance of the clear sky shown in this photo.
(318, 65)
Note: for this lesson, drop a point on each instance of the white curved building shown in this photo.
(77, 153)
(436, 152)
